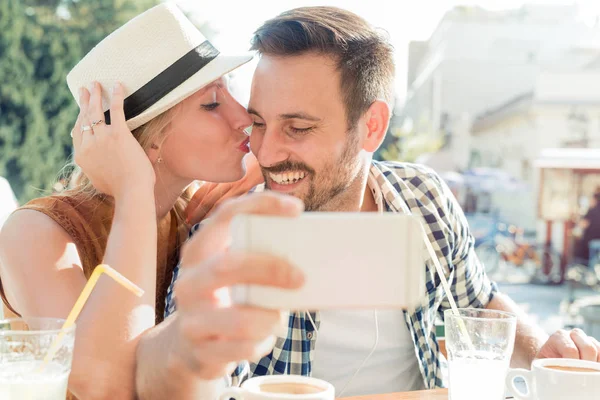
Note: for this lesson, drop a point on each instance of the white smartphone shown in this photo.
(350, 260)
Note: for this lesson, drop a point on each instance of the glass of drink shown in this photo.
(480, 344)
(24, 342)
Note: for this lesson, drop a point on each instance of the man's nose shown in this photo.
(268, 148)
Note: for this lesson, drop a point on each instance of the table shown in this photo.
(437, 394)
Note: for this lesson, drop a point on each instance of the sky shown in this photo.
(404, 20)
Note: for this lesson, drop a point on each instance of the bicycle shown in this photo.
(510, 247)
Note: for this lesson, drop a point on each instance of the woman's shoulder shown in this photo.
(72, 211)
(69, 202)
(26, 228)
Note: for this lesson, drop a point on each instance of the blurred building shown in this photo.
(499, 87)
(561, 110)
(482, 65)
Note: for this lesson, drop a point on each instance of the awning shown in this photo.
(588, 159)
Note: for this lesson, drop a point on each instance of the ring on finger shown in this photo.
(86, 128)
(97, 122)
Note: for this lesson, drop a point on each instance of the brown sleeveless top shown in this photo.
(88, 222)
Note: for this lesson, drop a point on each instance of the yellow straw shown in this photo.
(85, 294)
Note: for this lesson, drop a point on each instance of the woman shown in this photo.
(155, 115)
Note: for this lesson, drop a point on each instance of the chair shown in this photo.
(580, 275)
(594, 247)
(440, 334)
(442, 344)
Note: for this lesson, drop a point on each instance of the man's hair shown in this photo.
(363, 55)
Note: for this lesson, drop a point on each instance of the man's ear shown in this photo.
(377, 119)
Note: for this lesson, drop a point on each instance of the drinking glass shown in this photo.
(24, 342)
(480, 344)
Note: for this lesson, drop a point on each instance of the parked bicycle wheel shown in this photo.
(488, 255)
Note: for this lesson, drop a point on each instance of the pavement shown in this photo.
(547, 305)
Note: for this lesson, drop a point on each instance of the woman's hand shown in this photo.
(109, 155)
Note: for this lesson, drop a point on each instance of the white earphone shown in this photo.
(362, 364)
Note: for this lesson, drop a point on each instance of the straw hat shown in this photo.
(159, 57)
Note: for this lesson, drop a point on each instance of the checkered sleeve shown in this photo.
(170, 305)
(470, 285)
(240, 374)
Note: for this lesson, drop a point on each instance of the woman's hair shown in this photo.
(148, 134)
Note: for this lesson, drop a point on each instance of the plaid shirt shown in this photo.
(410, 189)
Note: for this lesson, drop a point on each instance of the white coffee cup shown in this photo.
(283, 387)
(568, 380)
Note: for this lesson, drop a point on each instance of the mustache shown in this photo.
(286, 166)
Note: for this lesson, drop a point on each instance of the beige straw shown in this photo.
(83, 297)
(446, 287)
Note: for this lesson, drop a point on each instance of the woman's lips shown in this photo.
(245, 146)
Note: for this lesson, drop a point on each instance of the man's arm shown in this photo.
(531, 342)
(529, 339)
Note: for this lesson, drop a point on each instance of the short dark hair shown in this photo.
(363, 54)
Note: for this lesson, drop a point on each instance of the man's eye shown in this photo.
(258, 125)
(300, 131)
(211, 106)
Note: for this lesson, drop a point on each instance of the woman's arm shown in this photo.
(41, 268)
(42, 275)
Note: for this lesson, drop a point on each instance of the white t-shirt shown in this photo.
(344, 340)
(346, 337)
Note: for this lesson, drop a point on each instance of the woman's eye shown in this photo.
(258, 125)
(211, 106)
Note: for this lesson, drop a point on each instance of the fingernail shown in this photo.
(81, 91)
(116, 87)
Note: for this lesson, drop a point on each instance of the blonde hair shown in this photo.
(148, 134)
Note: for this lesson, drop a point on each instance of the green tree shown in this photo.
(40, 41)
(407, 146)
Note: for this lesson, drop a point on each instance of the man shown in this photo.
(321, 100)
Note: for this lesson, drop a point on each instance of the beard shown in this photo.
(327, 188)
